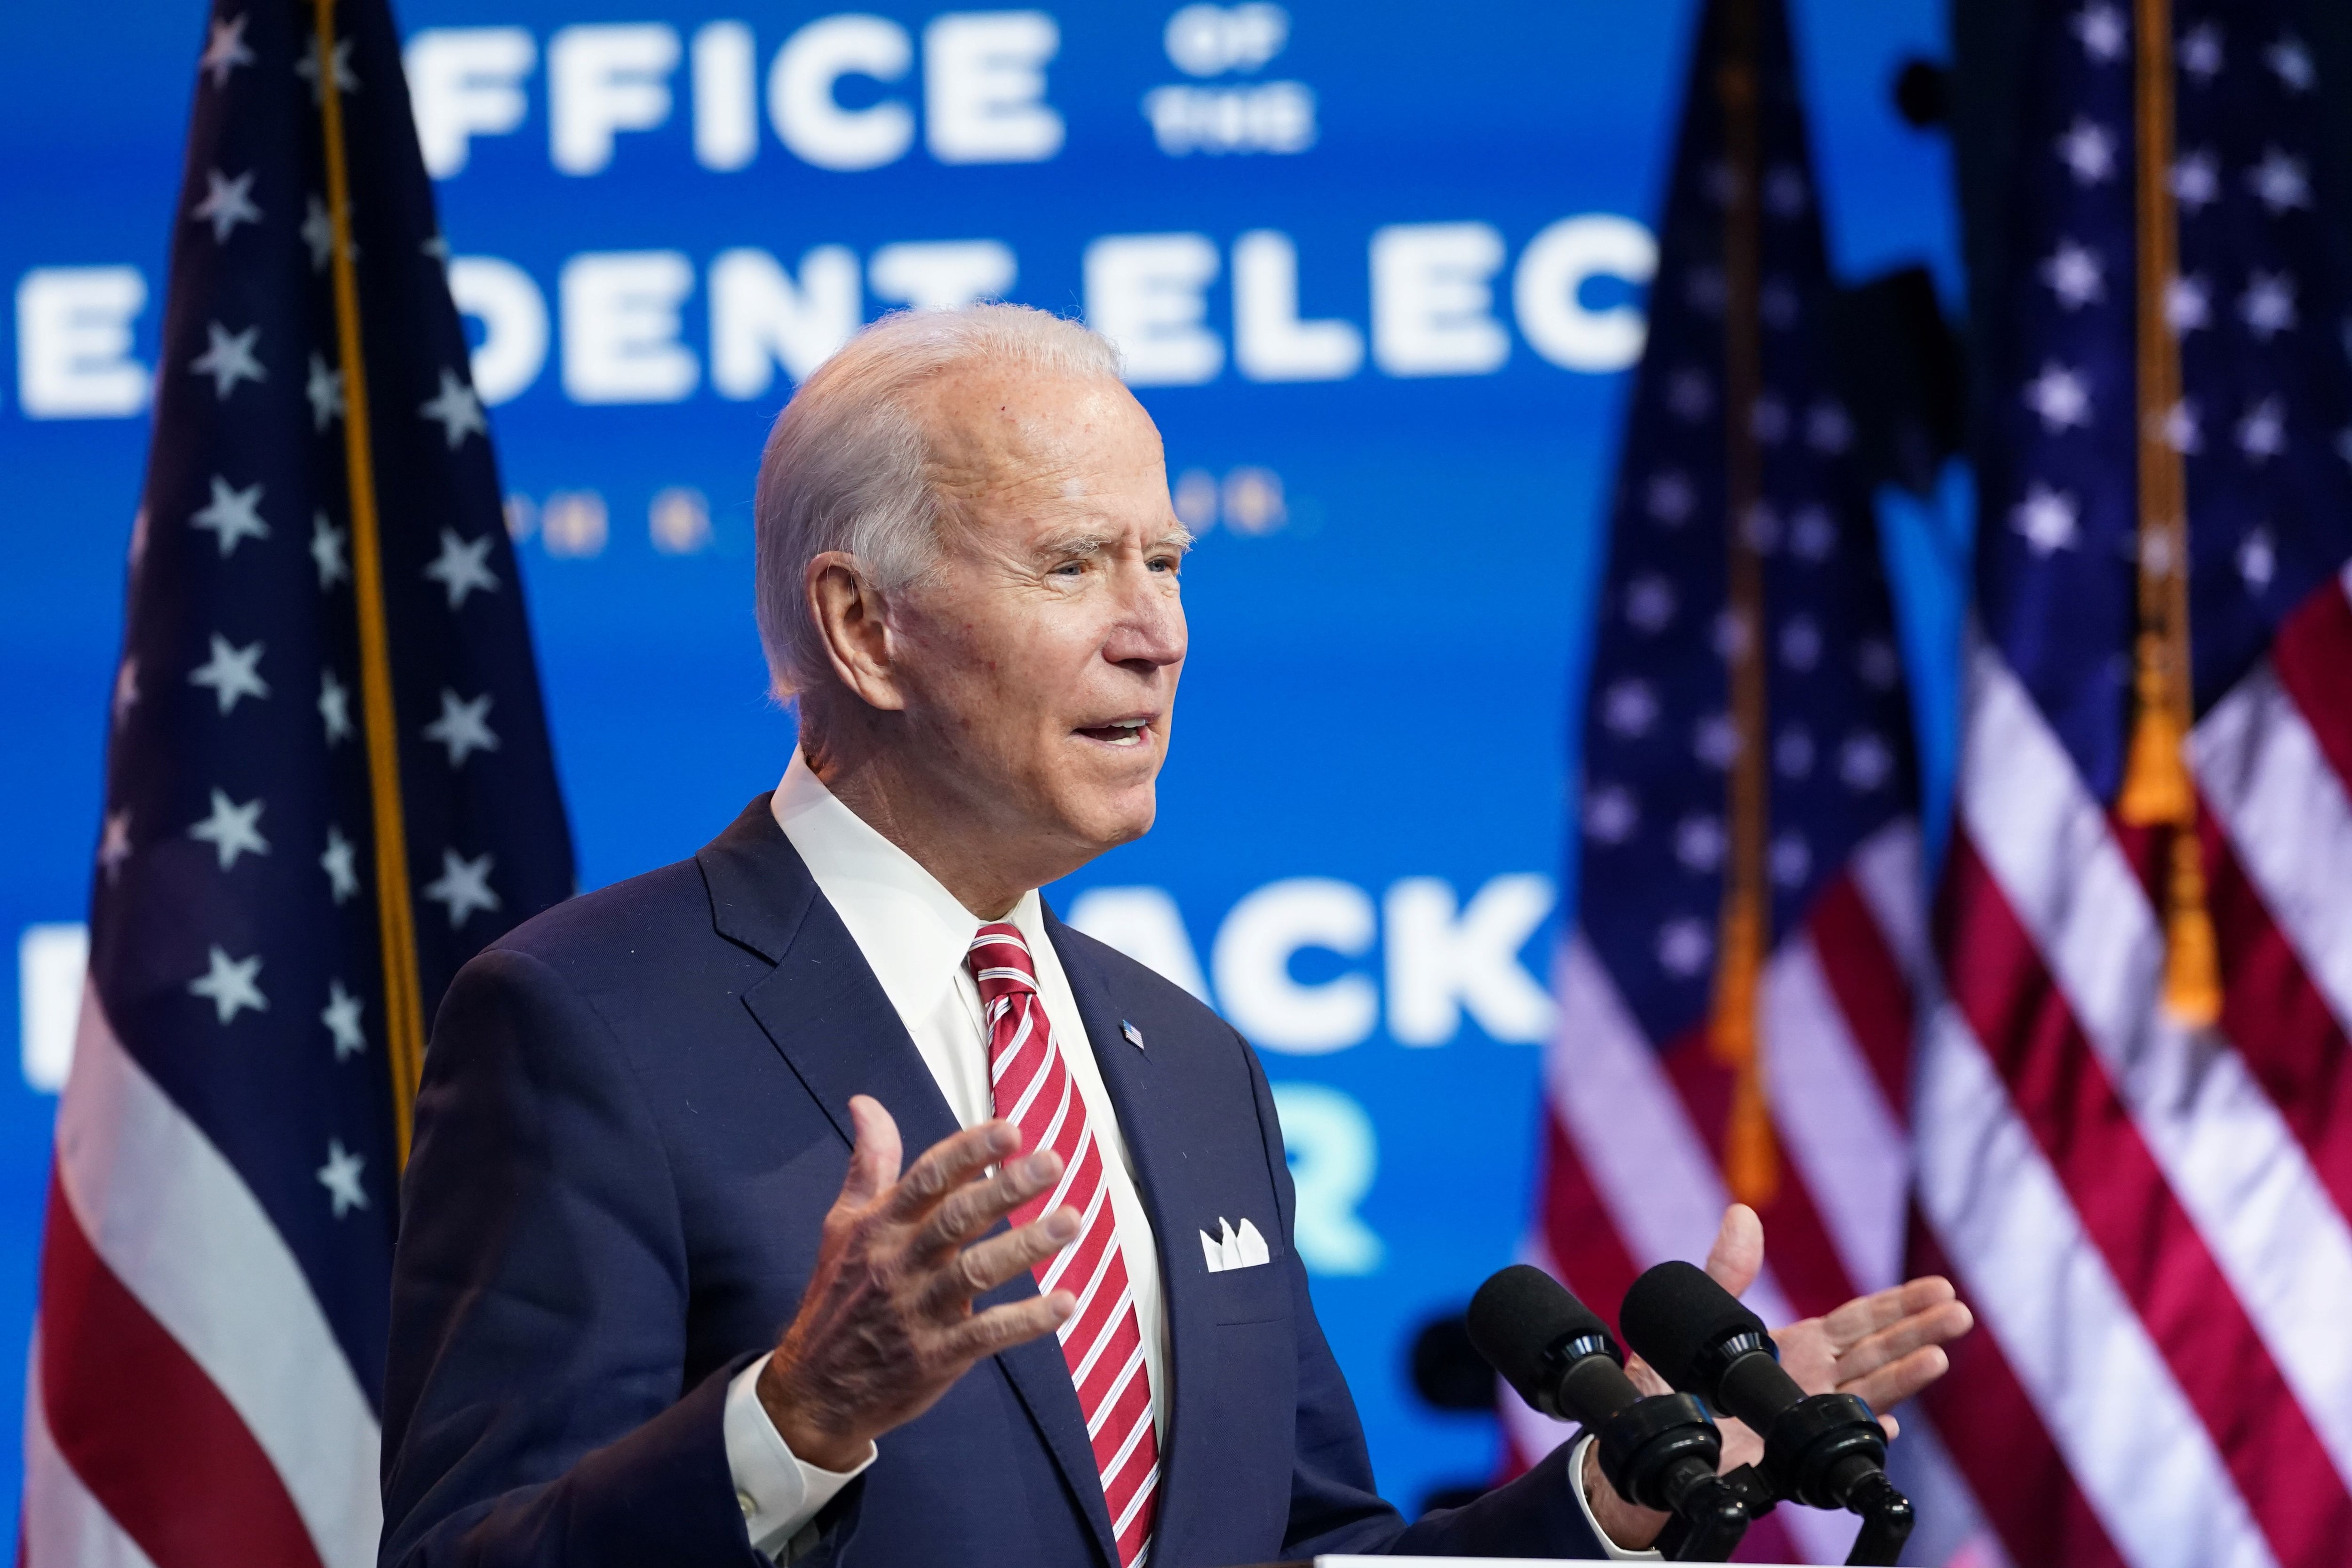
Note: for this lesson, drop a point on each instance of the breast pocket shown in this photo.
(1246, 1281)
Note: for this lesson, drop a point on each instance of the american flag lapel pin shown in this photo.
(1134, 1036)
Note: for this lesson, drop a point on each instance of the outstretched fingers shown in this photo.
(1866, 1315)
(975, 1206)
(946, 1165)
(1016, 1323)
(982, 1267)
(1884, 1388)
(1891, 1345)
(1938, 1325)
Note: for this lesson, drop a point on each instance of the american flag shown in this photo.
(328, 785)
(1735, 990)
(2134, 1108)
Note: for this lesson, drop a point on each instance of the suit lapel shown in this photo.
(830, 1020)
(822, 1007)
(1150, 1107)
(833, 1024)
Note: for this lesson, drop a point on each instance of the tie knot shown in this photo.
(999, 961)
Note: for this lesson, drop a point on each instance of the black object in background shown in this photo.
(1447, 1371)
(1900, 369)
(1922, 94)
(1450, 1378)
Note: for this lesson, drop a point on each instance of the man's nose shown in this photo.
(1150, 634)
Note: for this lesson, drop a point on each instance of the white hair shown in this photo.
(847, 465)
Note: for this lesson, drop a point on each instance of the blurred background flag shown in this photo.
(2135, 1113)
(328, 785)
(1735, 1002)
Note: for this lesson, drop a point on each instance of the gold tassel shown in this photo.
(2156, 790)
(2192, 963)
(2157, 794)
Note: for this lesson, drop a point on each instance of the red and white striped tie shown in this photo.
(1102, 1340)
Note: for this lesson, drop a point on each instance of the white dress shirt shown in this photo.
(913, 934)
(1576, 1478)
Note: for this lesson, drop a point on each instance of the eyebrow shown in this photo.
(1087, 543)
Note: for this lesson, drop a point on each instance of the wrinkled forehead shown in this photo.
(1007, 432)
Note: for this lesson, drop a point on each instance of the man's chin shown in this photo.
(1107, 822)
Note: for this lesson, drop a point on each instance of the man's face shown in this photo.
(1039, 662)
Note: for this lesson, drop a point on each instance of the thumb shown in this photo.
(1737, 1255)
(874, 1159)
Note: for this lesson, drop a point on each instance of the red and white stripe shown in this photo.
(2130, 1205)
(1102, 1340)
(1632, 1131)
(187, 1405)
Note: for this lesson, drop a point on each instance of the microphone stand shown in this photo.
(1707, 1528)
(1886, 1521)
(1827, 1451)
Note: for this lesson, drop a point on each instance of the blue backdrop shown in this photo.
(1380, 264)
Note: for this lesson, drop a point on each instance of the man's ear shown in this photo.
(853, 620)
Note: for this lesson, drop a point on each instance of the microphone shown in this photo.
(1659, 1450)
(1825, 1450)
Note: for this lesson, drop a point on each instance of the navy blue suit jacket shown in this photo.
(633, 1119)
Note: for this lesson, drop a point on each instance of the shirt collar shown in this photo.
(911, 931)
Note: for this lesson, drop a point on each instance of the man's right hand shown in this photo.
(886, 1323)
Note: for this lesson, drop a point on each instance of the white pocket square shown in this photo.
(1230, 1248)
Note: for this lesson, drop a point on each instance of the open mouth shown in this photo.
(1118, 731)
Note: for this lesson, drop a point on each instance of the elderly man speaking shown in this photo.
(668, 1291)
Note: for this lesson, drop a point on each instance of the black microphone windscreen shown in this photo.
(1518, 1314)
(1674, 1314)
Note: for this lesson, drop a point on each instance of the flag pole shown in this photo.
(1751, 1162)
(402, 1003)
(2157, 789)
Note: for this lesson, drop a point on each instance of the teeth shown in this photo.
(1124, 731)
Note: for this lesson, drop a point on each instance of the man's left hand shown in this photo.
(1884, 1347)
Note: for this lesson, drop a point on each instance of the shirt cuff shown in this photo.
(1576, 1483)
(778, 1491)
